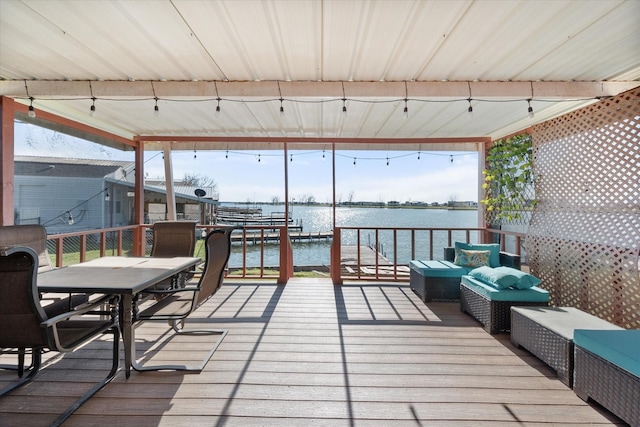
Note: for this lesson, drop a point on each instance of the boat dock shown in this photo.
(274, 236)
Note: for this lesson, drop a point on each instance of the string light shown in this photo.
(281, 106)
(530, 109)
(156, 110)
(92, 109)
(418, 155)
(344, 101)
(387, 160)
(405, 112)
(32, 111)
(217, 113)
(291, 158)
(451, 159)
(470, 109)
(354, 161)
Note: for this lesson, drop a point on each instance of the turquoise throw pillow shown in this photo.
(494, 277)
(524, 280)
(471, 259)
(494, 248)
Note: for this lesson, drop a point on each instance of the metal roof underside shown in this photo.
(313, 58)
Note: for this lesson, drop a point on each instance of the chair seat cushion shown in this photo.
(533, 294)
(437, 268)
(619, 347)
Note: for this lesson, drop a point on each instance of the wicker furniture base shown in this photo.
(494, 315)
(547, 333)
(606, 383)
(434, 288)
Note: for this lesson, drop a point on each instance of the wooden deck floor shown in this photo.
(309, 353)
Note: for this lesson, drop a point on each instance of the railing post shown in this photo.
(335, 258)
(286, 258)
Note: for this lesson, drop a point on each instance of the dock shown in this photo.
(274, 236)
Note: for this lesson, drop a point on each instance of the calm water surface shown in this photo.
(319, 218)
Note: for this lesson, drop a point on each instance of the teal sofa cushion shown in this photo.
(437, 268)
(494, 248)
(523, 280)
(495, 277)
(533, 294)
(621, 347)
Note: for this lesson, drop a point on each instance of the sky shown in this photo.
(251, 176)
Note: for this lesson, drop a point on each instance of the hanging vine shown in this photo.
(508, 182)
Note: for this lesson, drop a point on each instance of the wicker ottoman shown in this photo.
(607, 370)
(547, 332)
(435, 280)
(492, 307)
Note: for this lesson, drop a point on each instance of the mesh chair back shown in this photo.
(218, 250)
(20, 310)
(173, 239)
(33, 236)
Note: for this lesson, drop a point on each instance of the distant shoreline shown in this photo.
(357, 205)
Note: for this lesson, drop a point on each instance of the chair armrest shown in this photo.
(510, 260)
(77, 311)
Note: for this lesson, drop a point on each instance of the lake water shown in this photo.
(319, 218)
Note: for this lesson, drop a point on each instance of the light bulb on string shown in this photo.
(354, 161)
(281, 107)
(387, 161)
(217, 113)
(451, 159)
(344, 107)
(323, 154)
(156, 110)
(226, 156)
(291, 158)
(405, 112)
(470, 109)
(92, 109)
(32, 111)
(418, 155)
(530, 109)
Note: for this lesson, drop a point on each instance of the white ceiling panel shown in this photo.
(252, 53)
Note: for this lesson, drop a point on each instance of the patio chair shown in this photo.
(179, 303)
(26, 326)
(173, 239)
(34, 236)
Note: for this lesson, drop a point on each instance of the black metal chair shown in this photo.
(34, 236)
(178, 303)
(173, 239)
(26, 326)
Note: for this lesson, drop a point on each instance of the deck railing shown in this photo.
(383, 253)
(357, 253)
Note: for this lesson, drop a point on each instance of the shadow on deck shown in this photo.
(309, 353)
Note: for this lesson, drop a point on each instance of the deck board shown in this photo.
(309, 353)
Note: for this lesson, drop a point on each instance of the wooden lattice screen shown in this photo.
(584, 237)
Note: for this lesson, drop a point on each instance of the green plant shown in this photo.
(508, 181)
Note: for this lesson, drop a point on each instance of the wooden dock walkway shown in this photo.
(274, 236)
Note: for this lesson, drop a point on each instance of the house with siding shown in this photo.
(68, 195)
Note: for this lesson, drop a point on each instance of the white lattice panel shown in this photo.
(584, 236)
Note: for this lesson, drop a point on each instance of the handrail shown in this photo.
(394, 269)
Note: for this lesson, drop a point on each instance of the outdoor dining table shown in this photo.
(118, 275)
